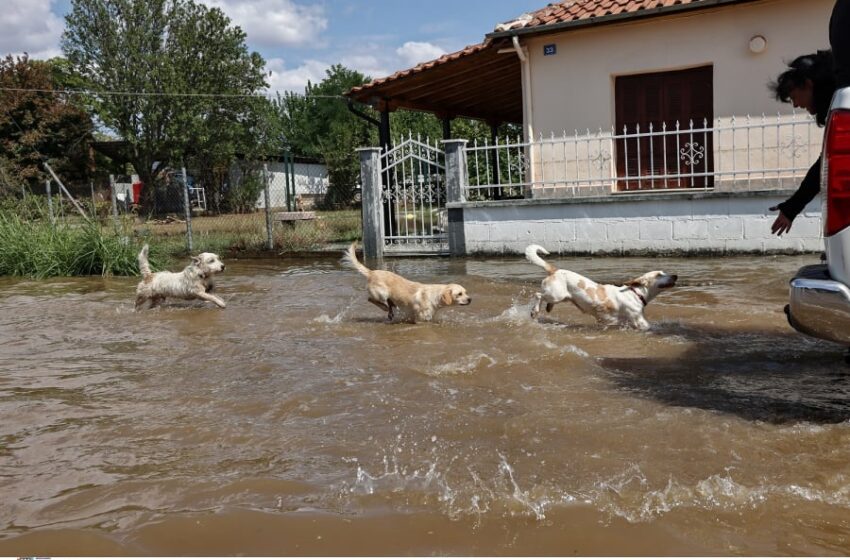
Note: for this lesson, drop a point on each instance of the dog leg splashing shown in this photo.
(193, 282)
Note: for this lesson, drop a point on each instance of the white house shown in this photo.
(647, 125)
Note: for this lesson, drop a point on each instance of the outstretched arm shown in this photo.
(788, 210)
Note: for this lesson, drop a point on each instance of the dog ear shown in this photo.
(446, 298)
(637, 282)
(196, 261)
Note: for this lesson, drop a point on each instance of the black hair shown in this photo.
(816, 67)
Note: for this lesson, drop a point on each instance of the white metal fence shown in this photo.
(732, 153)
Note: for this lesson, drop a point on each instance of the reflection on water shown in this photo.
(297, 421)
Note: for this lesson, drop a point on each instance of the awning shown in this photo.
(477, 82)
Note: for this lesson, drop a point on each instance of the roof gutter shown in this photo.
(527, 103)
(614, 18)
(519, 52)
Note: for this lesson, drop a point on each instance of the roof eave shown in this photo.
(614, 18)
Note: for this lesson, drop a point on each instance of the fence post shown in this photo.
(62, 188)
(188, 208)
(286, 176)
(268, 198)
(456, 185)
(292, 181)
(49, 202)
(114, 196)
(370, 181)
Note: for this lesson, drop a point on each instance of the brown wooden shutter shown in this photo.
(665, 97)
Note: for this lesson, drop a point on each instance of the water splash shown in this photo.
(464, 366)
(522, 497)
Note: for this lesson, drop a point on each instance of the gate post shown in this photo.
(456, 184)
(268, 204)
(370, 181)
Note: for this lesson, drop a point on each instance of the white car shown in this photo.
(820, 294)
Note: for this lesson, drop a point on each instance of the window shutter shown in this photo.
(665, 97)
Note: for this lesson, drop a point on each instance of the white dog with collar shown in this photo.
(610, 304)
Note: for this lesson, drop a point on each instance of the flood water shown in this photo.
(298, 422)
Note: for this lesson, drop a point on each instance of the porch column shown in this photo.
(386, 143)
(370, 181)
(447, 126)
(456, 184)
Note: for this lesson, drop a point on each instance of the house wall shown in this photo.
(574, 89)
(311, 181)
(666, 223)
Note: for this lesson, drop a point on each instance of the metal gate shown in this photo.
(413, 198)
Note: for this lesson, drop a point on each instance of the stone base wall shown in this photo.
(639, 224)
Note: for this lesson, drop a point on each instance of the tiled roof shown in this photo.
(577, 10)
(556, 12)
(543, 20)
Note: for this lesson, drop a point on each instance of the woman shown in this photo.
(808, 84)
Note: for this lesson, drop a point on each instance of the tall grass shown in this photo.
(31, 246)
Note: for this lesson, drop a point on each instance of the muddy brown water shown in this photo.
(298, 422)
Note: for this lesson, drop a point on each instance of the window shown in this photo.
(667, 160)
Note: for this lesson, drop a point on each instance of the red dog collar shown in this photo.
(642, 299)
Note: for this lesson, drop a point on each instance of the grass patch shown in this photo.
(31, 246)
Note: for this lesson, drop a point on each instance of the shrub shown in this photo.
(39, 249)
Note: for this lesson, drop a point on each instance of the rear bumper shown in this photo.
(819, 306)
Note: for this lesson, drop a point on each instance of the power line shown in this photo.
(163, 94)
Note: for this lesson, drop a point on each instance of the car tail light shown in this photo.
(837, 173)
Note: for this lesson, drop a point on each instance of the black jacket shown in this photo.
(809, 188)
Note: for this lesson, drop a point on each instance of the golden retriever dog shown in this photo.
(389, 291)
(610, 304)
(194, 282)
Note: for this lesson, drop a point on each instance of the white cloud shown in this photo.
(295, 79)
(367, 64)
(412, 52)
(29, 26)
(275, 23)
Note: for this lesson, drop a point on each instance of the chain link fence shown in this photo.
(278, 205)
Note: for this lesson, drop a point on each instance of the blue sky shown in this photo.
(301, 38)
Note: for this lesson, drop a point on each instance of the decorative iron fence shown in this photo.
(732, 153)
(413, 196)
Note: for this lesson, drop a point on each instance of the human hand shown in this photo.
(782, 224)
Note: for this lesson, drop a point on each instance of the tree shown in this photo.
(319, 124)
(175, 80)
(38, 125)
(310, 119)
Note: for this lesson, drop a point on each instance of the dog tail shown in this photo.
(531, 253)
(349, 259)
(144, 265)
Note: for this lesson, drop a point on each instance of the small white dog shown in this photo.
(194, 282)
(389, 291)
(611, 305)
